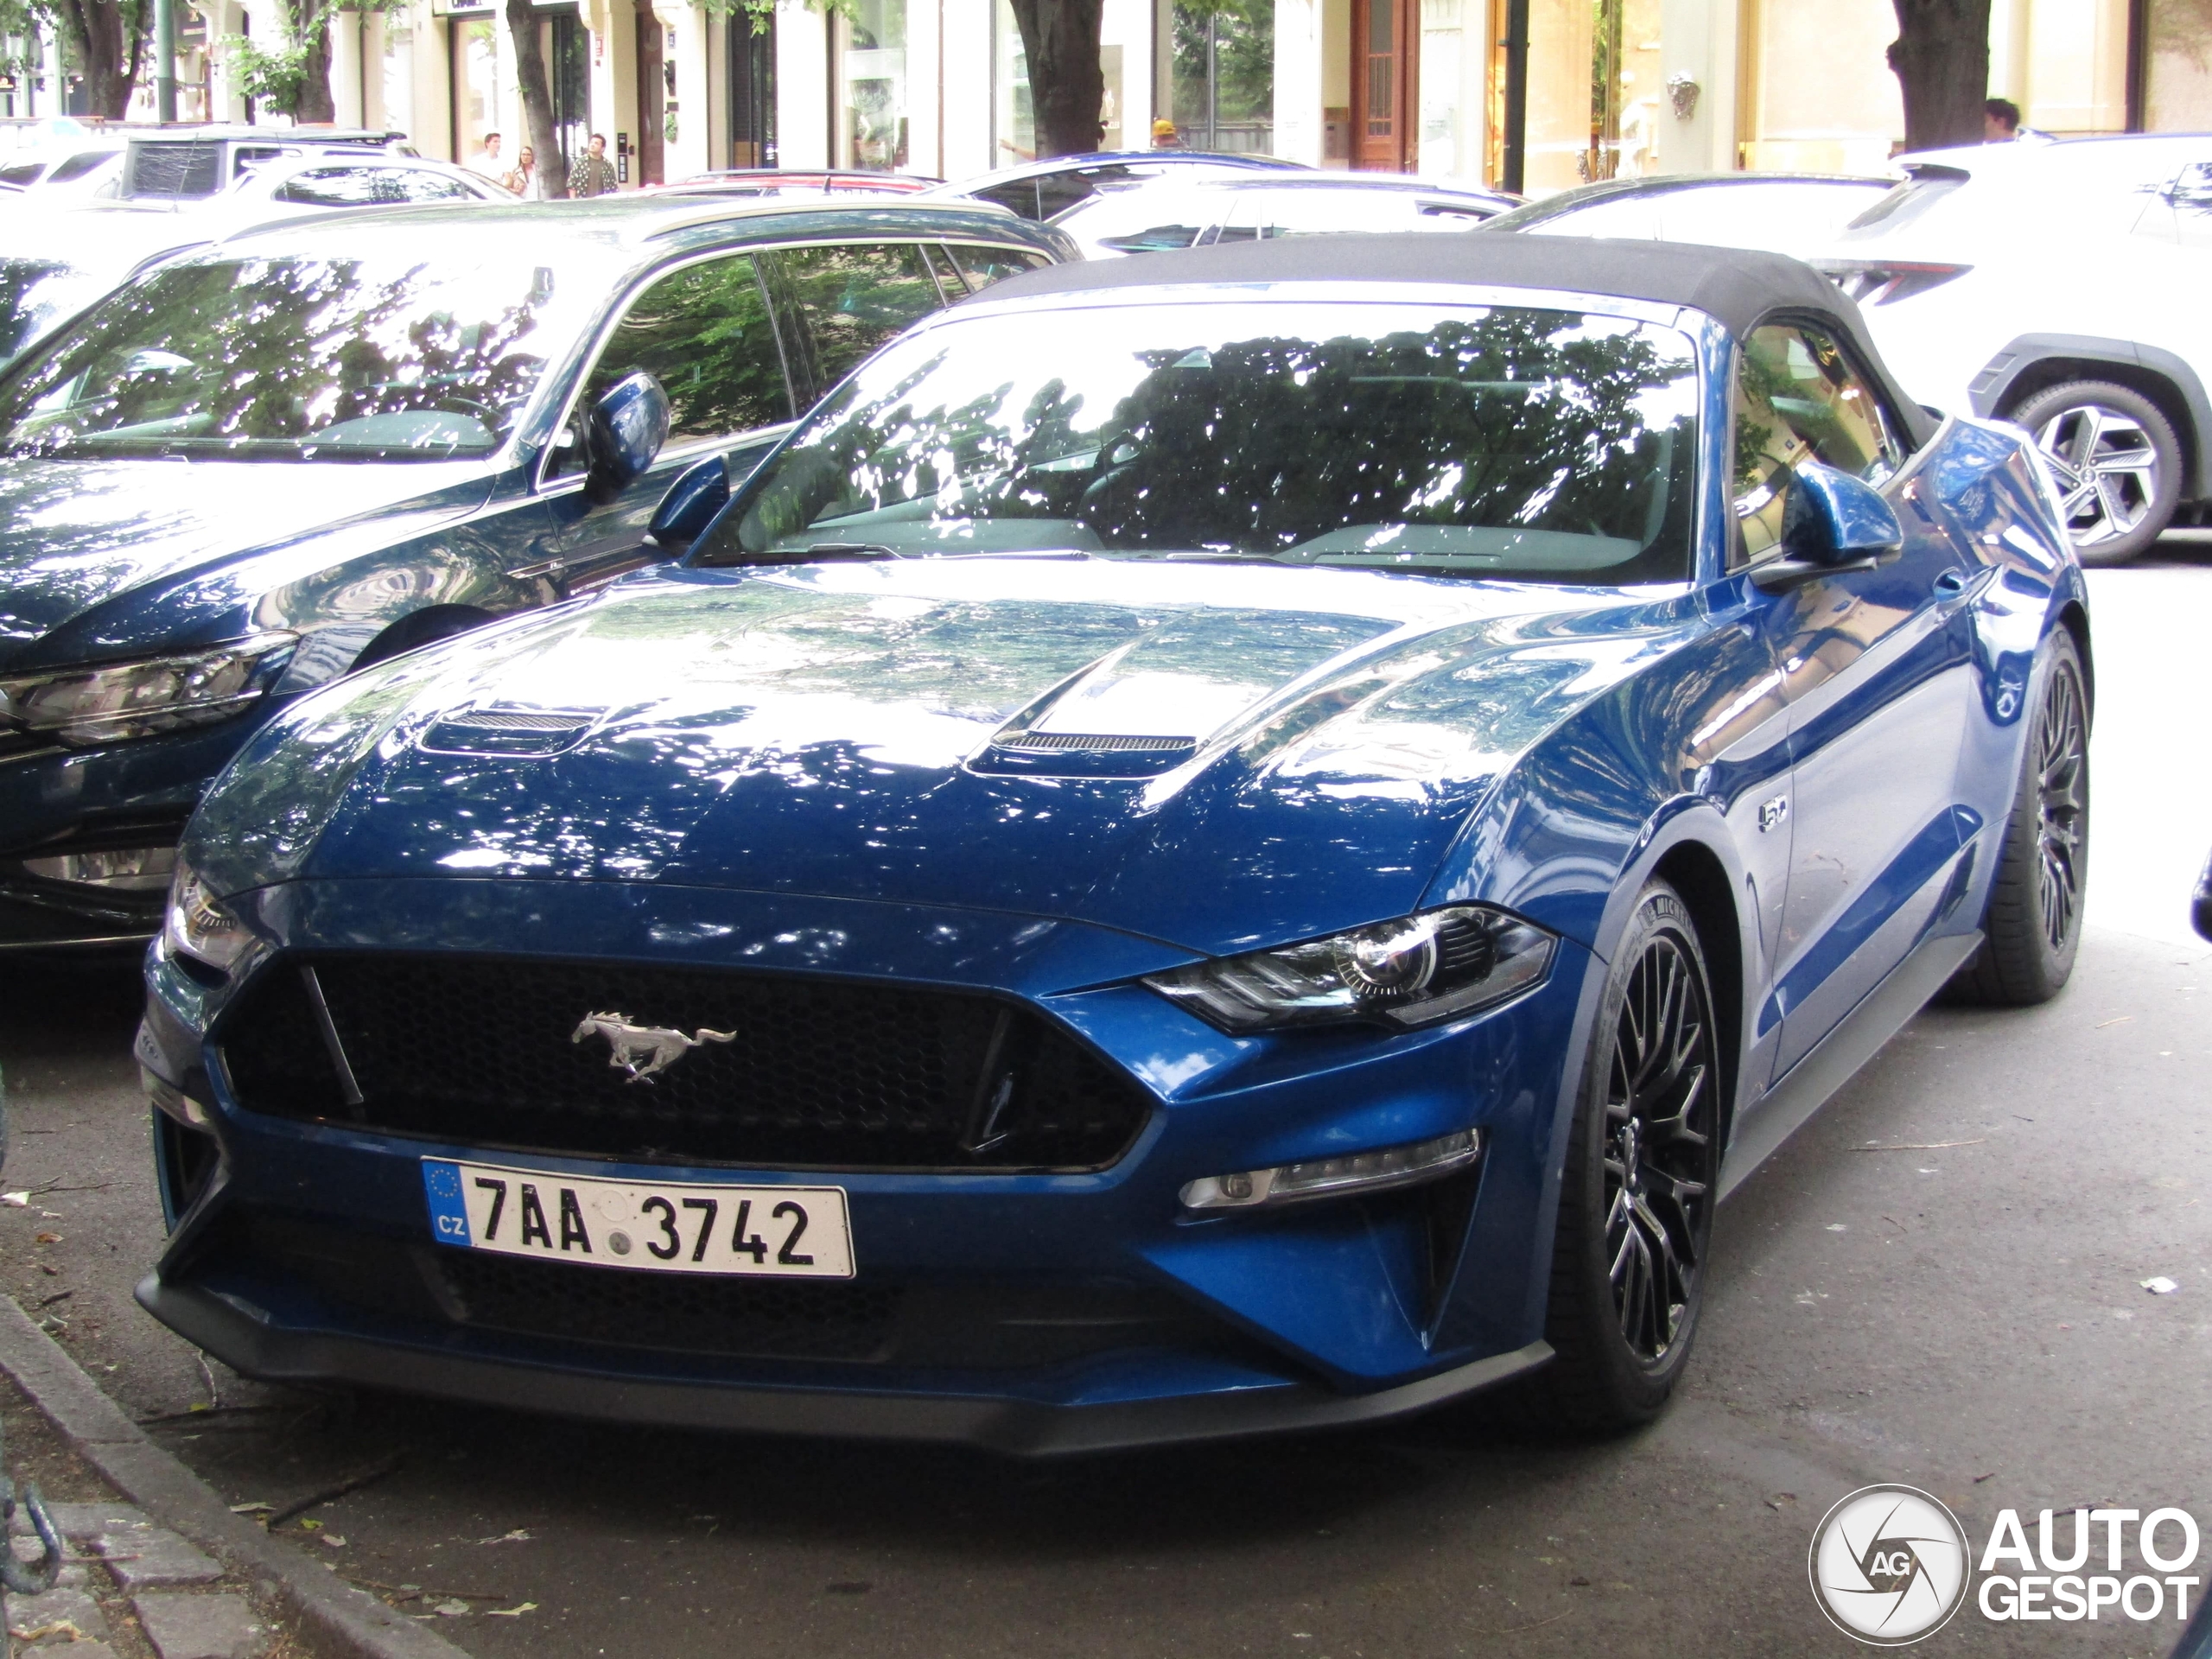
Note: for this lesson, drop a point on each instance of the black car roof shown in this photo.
(1738, 287)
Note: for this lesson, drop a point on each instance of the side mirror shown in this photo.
(623, 433)
(1834, 524)
(691, 505)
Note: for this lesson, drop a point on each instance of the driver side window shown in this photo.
(1797, 398)
(703, 332)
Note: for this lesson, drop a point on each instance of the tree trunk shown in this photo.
(104, 35)
(1942, 59)
(315, 19)
(1066, 85)
(537, 100)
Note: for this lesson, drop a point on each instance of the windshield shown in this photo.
(296, 359)
(1507, 441)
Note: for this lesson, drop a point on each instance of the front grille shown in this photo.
(680, 1311)
(788, 1072)
(971, 1325)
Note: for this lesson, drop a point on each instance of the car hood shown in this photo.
(1210, 755)
(79, 537)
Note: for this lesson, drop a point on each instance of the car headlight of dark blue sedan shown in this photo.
(106, 702)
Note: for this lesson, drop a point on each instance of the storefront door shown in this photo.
(1386, 41)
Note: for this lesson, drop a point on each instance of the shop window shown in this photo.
(476, 100)
(872, 119)
(1223, 85)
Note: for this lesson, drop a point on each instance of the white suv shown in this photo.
(2066, 286)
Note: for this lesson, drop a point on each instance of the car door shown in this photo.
(1876, 672)
(707, 331)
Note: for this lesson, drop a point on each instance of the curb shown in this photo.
(335, 1620)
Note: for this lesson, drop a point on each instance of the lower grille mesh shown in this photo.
(775, 1071)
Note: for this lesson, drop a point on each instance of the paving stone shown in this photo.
(82, 1520)
(145, 1557)
(199, 1627)
(62, 1607)
(28, 1550)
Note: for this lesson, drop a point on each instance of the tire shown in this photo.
(1653, 1062)
(2031, 926)
(2116, 462)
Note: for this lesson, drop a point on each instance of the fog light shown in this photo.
(133, 869)
(1329, 1178)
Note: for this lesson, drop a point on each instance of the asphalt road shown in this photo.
(1937, 1282)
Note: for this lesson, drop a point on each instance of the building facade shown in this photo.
(940, 86)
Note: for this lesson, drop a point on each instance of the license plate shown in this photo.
(791, 1232)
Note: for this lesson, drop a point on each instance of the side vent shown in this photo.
(1085, 755)
(507, 731)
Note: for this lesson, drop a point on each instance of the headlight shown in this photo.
(1434, 966)
(102, 704)
(199, 926)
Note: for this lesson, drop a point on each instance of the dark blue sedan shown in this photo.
(307, 449)
(1245, 839)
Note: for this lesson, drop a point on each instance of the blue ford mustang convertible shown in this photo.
(1245, 840)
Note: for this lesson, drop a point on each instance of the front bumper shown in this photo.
(129, 795)
(1332, 1311)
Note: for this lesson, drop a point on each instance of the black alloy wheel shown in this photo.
(1638, 1187)
(1660, 1089)
(2031, 925)
(2062, 741)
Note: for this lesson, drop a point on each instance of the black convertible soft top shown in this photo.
(1738, 287)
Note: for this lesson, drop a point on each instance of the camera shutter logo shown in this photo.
(1890, 1565)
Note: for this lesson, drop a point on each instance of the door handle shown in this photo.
(1950, 584)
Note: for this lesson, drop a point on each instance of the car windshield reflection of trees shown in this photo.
(290, 359)
(1512, 442)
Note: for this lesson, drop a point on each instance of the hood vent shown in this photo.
(526, 732)
(1085, 755)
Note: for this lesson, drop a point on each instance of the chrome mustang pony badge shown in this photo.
(643, 1050)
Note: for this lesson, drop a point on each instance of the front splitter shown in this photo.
(1013, 1426)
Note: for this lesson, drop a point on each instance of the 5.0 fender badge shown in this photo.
(641, 1051)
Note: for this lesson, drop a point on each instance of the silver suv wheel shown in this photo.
(2115, 460)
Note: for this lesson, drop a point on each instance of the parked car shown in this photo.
(62, 261)
(2059, 285)
(780, 182)
(2200, 912)
(261, 464)
(1206, 211)
(175, 164)
(1783, 212)
(74, 175)
(1213, 844)
(1041, 189)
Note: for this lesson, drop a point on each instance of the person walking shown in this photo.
(486, 160)
(593, 175)
(523, 179)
